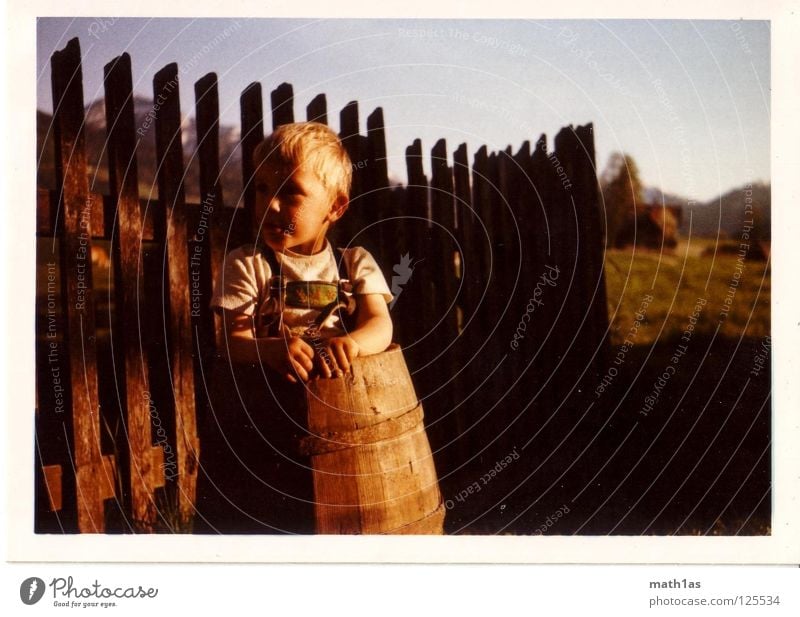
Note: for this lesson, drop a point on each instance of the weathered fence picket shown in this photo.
(181, 278)
(317, 110)
(282, 99)
(145, 462)
(252, 107)
(95, 472)
(212, 202)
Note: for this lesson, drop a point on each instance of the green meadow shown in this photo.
(677, 281)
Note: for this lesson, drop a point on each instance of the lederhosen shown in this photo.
(326, 297)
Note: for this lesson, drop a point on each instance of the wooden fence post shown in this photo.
(384, 232)
(418, 225)
(352, 224)
(282, 99)
(481, 196)
(468, 237)
(591, 223)
(146, 461)
(95, 473)
(451, 422)
(180, 286)
(252, 109)
(212, 201)
(443, 213)
(317, 110)
(579, 355)
(539, 231)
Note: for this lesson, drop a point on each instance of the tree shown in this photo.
(622, 192)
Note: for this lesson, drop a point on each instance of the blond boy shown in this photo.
(253, 479)
(302, 183)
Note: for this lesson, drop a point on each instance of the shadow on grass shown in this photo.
(687, 455)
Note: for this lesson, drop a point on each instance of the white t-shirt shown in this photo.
(243, 284)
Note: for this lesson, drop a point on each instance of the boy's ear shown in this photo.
(338, 208)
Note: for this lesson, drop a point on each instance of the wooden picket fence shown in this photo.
(499, 261)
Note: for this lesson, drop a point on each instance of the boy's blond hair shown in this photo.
(313, 144)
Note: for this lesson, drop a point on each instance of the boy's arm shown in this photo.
(291, 356)
(372, 334)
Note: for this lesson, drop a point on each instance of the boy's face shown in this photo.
(293, 208)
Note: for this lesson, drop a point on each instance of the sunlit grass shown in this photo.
(676, 281)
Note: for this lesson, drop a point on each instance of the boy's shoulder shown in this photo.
(355, 251)
(352, 255)
(249, 248)
(245, 251)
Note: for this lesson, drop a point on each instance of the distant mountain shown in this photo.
(726, 214)
(95, 132)
(655, 196)
(723, 214)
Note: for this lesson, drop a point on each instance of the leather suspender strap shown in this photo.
(338, 254)
(269, 255)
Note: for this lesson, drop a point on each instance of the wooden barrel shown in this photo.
(372, 464)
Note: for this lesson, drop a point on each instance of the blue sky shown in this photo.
(689, 100)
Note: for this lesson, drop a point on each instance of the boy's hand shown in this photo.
(291, 357)
(340, 353)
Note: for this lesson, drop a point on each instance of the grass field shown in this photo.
(676, 281)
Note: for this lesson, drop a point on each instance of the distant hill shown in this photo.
(726, 213)
(230, 153)
(655, 196)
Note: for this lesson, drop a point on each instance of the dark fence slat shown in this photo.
(591, 221)
(479, 193)
(484, 223)
(443, 217)
(418, 227)
(592, 259)
(317, 110)
(538, 244)
(499, 292)
(252, 108)
(508, 295)
(442, 251)
(378, 205)
(94, 472)
(282, 99)
(465, 219)
(146, 472)
(564, 168)
(378, 165)
(485, 199)
(569, 354)
(353, 223)
(211, 193)
(182, 287)
(508, 238)
(469, 279)
(558, 255)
